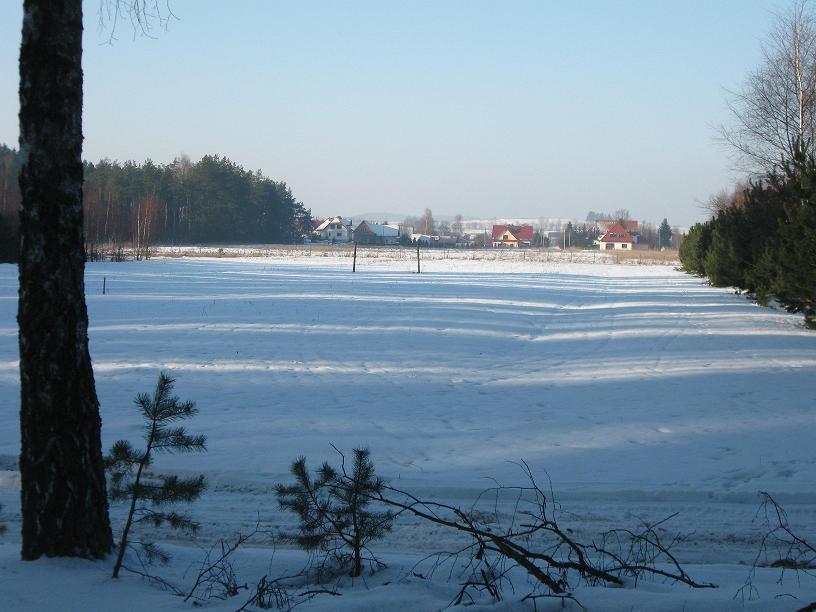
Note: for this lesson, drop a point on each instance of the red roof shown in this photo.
(521, 232)
(629, 224)
(617, 233)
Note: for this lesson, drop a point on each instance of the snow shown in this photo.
(640, 391)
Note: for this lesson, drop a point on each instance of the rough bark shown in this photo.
(64, 500)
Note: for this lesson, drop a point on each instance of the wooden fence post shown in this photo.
(354, 264)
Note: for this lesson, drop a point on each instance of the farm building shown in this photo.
(376, 233)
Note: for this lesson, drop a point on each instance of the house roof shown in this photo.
(616, 233)
(386, 231)
(331, 220)
(630, 225)
(520, 232)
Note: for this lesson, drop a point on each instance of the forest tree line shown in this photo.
(761, 237)
(213, 200)
(762, 240)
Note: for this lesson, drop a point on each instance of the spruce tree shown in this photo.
(334, 508)
(664, 235)
(148, 493)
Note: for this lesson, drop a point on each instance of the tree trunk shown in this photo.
(357, 570)
(64, 500)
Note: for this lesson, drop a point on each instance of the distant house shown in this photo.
(334, 229)
(512, 236)
(616, 237)
(376, 233)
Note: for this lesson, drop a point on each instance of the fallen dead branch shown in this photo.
(780, 547)
(532, 539)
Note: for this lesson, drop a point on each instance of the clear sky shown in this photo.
(501, 108)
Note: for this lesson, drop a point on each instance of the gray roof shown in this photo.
(386, 231)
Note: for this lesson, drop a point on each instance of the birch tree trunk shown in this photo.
(64, 501)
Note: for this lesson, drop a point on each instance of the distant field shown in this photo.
(409, 253)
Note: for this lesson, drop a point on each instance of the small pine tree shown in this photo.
(149, 493)
(334, 510)
(664, 235)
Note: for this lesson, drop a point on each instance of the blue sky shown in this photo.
(503, 108)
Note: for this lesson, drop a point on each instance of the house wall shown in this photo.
(507, 239)
(616, 246)
(372, 238)
(341, 234)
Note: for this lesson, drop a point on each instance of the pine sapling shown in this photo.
(148, 493)
(334, 510)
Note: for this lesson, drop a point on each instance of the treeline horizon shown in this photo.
(214, 200)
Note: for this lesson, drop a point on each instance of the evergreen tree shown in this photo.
(762, 212)
(766, 243)
(334, 510)
(539, 240)
(148, 494)
(9, 240)
(664, 235)
(795, 283)
(724, 262)
(569, 232)
(695, 247)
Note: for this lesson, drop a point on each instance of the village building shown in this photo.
(334, 229)
(616, 237)
(376, 233)
(512, 236)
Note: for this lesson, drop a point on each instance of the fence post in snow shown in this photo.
(418, 271)
(354, 263)
(104, 282)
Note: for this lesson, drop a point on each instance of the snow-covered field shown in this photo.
(639, 390)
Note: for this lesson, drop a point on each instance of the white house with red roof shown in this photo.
(512, 236)
(616, 237)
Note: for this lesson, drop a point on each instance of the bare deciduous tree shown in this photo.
(622, 214)
(457, 226)
(725, 199)
(426, 223)
(774, 112)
